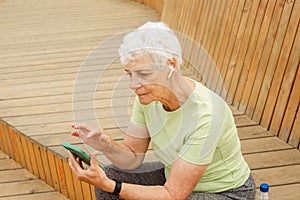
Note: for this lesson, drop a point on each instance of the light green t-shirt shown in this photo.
(202, 131)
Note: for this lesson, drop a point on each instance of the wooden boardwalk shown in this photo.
(42, 45)
(18, 183)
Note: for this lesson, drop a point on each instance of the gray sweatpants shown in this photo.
(153, 174)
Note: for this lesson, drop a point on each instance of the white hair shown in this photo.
(153, 38)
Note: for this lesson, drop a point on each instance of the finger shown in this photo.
(82, 127)
(105, 138)
(94, 132)
(75, 133)
(94, 162)
(74, 164)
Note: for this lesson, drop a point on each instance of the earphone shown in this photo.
(171, 71)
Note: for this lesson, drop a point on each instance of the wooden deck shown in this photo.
(18, 183)
(42, 45)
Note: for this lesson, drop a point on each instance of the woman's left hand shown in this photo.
(93, 175)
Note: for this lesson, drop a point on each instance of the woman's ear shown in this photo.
(172, 62)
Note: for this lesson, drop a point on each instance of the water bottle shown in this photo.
(263, 193)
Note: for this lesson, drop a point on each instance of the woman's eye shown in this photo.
(144, 74)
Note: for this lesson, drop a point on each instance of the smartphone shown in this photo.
(78, 152)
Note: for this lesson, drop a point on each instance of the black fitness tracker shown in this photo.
(117, 189)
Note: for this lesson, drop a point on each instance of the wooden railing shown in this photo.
(255, 45)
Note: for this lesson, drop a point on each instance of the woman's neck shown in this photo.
(178, 93)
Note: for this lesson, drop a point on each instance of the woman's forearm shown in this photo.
(140, 192)
(123, 157)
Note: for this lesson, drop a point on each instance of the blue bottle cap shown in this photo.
(264, 187)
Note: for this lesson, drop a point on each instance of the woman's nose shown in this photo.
(135, 83)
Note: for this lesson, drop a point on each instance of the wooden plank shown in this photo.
(7, 140)
(33, 159)
(263, 145)
(39, 162)
(20, 149)
(290, 116)
(4, 142)
(13, 138)
(26, 154)
(61, 176)
(24, 187)
(267, 116)
(243, 120)
(233, 72)
(288, 81)
(256, 108)
(15, 175)
(77, 187)
(257, 27)
(69, 180)
(54, 175)
(207, 38)
(86, 191)
(278, 175)
(40, 196)
(239, 19)
(93, 194)
(248, 132)
(229, 31)
(295, 134)
(213, 70)
(286, 191)
(6, 164)
(46, 167)
(219, 41)
(259, 49)
(273, 159)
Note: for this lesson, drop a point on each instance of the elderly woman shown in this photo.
(191, 129)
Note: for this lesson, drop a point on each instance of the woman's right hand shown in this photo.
(97, 139)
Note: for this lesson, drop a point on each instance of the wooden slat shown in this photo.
(46, 167)
(284, 94)
(258, 54)
(278, 175)
(281, 67)
(4, 143)
(255, 27)
(54, 175)
(256, 109)
(248, 132)
(28, 164)
(235, 6)
(286, 191)
(232, 75)
(40, 196)
(273, 159)
(61, 176)
(24, 187)
(5, 164)
(32, 158)
(263, 145)
(14, 175)
(69, 180)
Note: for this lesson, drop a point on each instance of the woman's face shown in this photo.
(148, 82)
